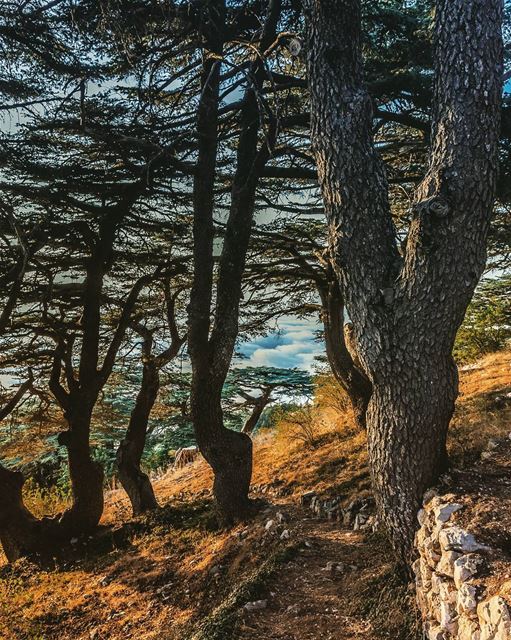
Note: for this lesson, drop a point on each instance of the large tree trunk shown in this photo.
(22, 534)
(86, 476)
(228, 452)
(18, 528)
(406, 312)
(135, 482)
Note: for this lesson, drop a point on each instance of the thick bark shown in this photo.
(135, 482)
(406, 313)
(21, 533)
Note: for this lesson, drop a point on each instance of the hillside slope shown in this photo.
(173, 575)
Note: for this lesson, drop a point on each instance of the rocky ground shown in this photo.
(463, 573)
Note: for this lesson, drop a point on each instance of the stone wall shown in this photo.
(463, 572)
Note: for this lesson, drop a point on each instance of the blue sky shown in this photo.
(292, 345)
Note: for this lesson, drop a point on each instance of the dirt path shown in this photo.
(307, 600)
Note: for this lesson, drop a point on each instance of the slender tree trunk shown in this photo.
(406, 312)
(351, 378)
(134, 481)
(257, 411)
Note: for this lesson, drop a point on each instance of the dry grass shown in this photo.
(157, 583)
(484, 407)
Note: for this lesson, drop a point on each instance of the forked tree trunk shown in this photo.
(21, 533)
(406, 312)
(134, 481)
(229, 453)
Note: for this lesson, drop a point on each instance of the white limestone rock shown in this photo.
(468, 629)
(465, 568)
(431, 552)
(256, 605)
(435, 633)
(447, 592)
(444, 512)
(436, 582)
(446, 564)
(494, 619)
(448, 618)
(456, 539)
(425, 572)
(467, 599)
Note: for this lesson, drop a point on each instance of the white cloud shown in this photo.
(293, 345)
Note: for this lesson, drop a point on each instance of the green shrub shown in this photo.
(487, 324)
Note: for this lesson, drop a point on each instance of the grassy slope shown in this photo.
(173, 575)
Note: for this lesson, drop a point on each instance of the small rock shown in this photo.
(456, 539)
(335, 567)
(269, 525)
(446, 563)
(448, 618)
(306, 498)
(257, 605)
(493, 443)
(281, 518)
(444, 511)
(465, 568)
(467, 598)
(74, 541)
(360, 521)
(285, 535)
(435, 633)
(293, 608)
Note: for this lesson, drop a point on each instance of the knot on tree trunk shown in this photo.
(436, 206)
